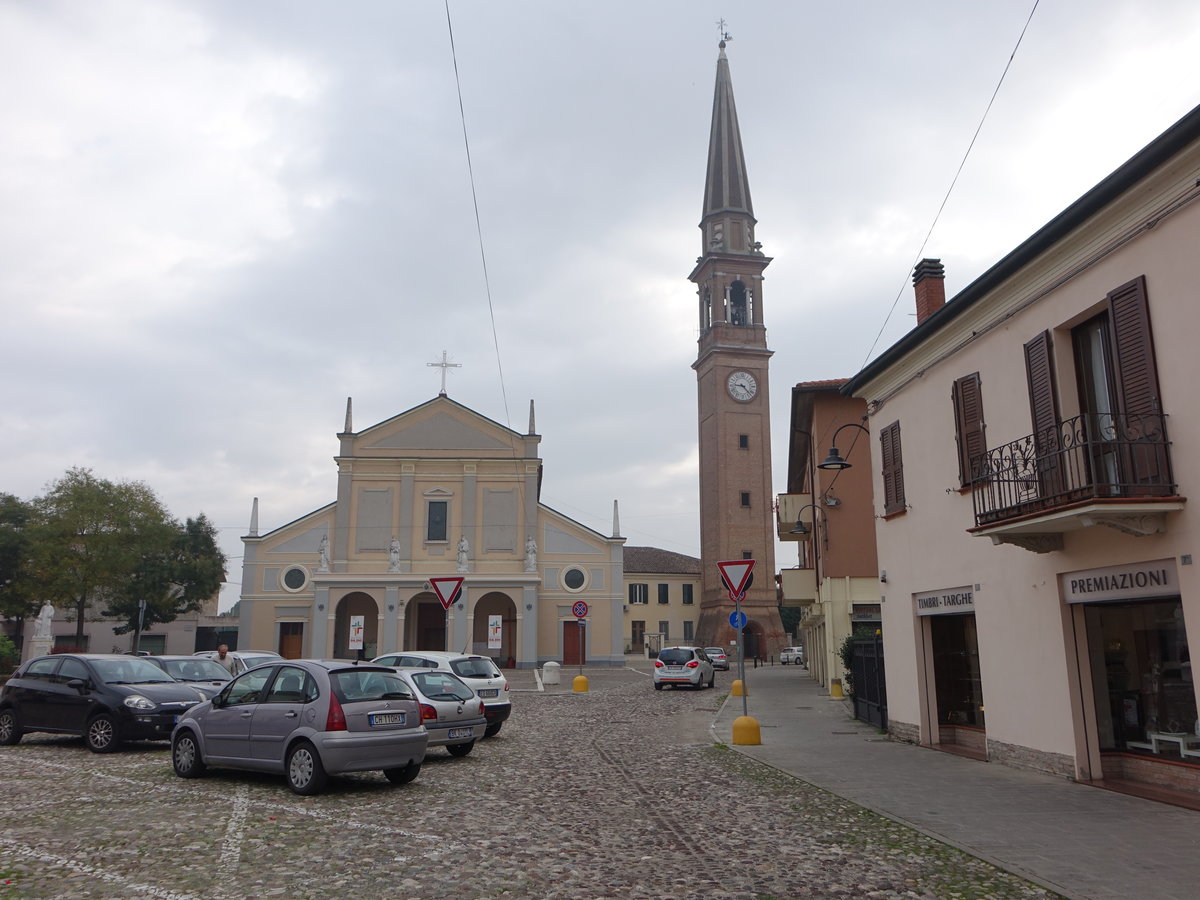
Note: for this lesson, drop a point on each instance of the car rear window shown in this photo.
(475, 667)
(354, 685)
(442, 686)
(675, 656)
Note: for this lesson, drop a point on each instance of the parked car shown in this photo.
(244, 659)
(792, 655)
(717, 657)
(307, 720)
(477, 671)
(204, 675)
(107, 698)
(683, 665)
(451, 712)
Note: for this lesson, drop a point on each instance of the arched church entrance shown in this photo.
(753, 640)
(494, 632)
(425, 623)
(351, 605)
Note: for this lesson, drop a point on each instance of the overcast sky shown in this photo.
(218, 220)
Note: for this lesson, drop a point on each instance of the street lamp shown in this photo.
(800, 528)
(835, 460)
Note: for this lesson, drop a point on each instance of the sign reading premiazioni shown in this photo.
(948, 600)
(1135, 581)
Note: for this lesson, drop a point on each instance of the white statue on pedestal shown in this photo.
(43, 628)
(463, 549)
(530, 554)
(394, 555)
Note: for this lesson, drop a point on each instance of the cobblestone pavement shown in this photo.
(616, 793)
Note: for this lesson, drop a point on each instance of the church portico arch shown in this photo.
(355, 603)
(495, 605)
(425, 623)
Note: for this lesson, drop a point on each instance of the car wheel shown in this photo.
(658, 687)
(711, 680)
(492, 730)
(185, 756)
(102, 735)
(403, 775)
(10, 728)
(460, 749)
(305, 774)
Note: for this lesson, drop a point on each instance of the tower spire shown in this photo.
(727, 220)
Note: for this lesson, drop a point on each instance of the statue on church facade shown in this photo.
(463, 550)
(530, 554)
(394, 555)
(323, 555)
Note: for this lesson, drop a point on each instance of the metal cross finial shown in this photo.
(722, 33)
(443, 365)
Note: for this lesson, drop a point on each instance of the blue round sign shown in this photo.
(580, 609)
(737, 620)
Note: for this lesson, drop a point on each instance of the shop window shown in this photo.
(1142, 677)
(956, 670)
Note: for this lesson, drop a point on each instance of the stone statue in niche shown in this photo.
(463, 550)
(530, 554)
(394, 555)
(323, 554)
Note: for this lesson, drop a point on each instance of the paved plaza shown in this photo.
(617, 793)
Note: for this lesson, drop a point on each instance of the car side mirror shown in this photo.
(78, 684)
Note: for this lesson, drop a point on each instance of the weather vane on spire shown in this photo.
(722, 33)
(444, 365)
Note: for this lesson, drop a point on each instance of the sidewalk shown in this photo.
(1082, 842)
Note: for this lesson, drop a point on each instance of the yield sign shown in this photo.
(735, 574)
(447, 589)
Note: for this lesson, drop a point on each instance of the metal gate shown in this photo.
(870, 689)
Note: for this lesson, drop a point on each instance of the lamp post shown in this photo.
(800, 528)
(835, 460)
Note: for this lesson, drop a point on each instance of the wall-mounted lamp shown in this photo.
(391, 607)
(460, 607)
(800, 528)
(528, 607)
(835, 460)
(320, 607)
(883, 575)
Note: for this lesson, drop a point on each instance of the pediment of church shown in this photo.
(557, 540)
(305, 538)
(441, 426)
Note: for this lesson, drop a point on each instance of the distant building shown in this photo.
(436, 493)
(1034, 442)
(662, 598)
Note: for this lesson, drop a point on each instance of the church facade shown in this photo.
(432, 495)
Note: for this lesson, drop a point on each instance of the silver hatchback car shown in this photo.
(683, 665)
(307, 720)
(450, 711)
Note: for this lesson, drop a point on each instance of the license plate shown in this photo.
(674, 668)
(458, 733)
(387, 718)
(489, 693)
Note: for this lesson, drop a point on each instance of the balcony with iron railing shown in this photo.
(1093, 469)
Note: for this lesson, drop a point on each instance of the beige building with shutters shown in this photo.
(1034, 443)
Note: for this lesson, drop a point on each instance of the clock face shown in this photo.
(742, 386)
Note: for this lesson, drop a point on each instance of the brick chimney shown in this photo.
(929, 282)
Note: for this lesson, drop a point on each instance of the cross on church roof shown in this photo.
(443, 365)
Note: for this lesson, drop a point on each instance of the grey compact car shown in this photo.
(450, 711)
(205, 675)
(306, 719)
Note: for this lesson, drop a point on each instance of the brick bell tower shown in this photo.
(736, 514)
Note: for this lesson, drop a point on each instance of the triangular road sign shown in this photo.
(735, 573)
(447, 589)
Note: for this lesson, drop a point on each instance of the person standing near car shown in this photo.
(226, 661)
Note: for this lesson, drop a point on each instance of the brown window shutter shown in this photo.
(893, 469)
(1137, 384)
(1043, 409)
(970, 431)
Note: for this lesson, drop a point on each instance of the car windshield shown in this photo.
(129, 671)
(714, 651)
(441, 686)
(251, 659)
(195, 670)
(475, 667)
(355, 685)
(673, 656)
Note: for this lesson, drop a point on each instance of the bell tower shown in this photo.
(736, 512)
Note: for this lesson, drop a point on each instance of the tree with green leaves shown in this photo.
(88, 538)
(172, 581)
(17, 601)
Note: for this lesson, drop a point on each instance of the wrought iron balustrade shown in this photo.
(1095, 456)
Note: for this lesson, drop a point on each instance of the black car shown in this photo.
(106, 698)
(206, 675)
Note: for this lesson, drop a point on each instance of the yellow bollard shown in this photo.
(738, 689)
(835, 689)
(580, 684)
(745, 731)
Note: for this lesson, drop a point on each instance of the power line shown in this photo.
(953, 182)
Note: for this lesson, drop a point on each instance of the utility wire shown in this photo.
(478, 225)
(953, 182)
